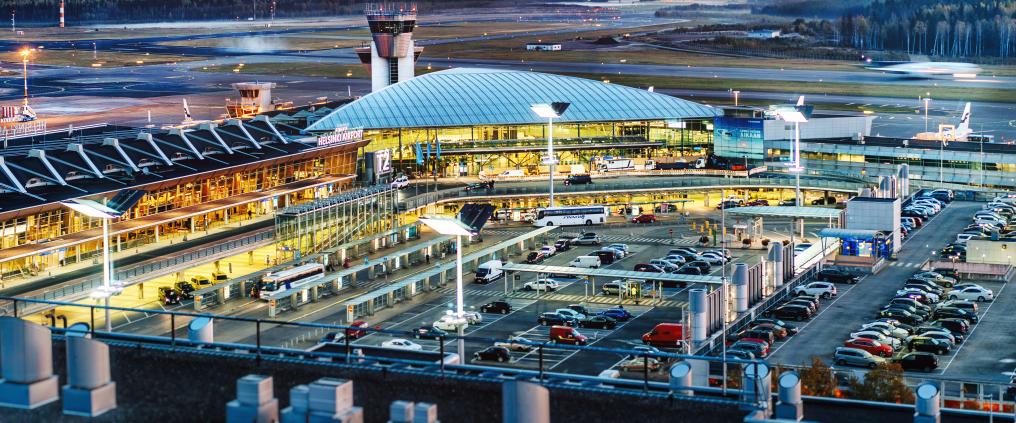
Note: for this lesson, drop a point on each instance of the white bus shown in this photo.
(290, 278)
(571, 216)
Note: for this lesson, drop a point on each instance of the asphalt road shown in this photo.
(858, 304)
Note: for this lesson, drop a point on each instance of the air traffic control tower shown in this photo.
(391, 56)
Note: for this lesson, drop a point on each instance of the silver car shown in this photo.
(856, 357)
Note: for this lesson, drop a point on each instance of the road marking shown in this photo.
(971, 334)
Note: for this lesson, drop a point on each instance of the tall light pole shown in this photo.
(798, 115)
(451, 226)
(550, 111)
(736, 95)
(926, 101)
(941, 159)
(97, 210)
(24, 63)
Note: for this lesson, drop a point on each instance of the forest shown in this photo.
(94, 11)
(942, 28)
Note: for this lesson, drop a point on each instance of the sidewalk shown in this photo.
(127, 258)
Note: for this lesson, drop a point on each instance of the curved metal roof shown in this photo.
(469, 96)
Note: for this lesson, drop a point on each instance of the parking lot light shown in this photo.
(451, 226)
(97, 210)
(550, 112)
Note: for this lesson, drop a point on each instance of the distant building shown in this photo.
(543, 46)
(764, 33)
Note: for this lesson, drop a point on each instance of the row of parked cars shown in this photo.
(917, 324)
(921, 208)
(686, 261)
(997, 218)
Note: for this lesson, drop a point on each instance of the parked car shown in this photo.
(893, 331)
(566, 335)
(823, 289)
(535, 257)
(896, 344)
(551, 318)
(964, 304)
(950, 312)
(496, 307)
(402, 344)
(953, 324)
(516, 343)
(957, 337)
(429, 332)
(824, 201)
(972, 293)
(856, 357)
(739, 354)
(578, 180)
(918, 361)
(570, 313)
(618, 314)
(757, 202)
(870, 345)
(587, 239)
(640, 363)
(548, 250)
(940, 335)
(499, 354)
(791, 312)
(757, 349)
(562, 244)
(837, 276)
(928, 344)
(606, 257)
(791, 329)
(901, 315)
(598, 322)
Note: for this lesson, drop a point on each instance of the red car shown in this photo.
(356, 333)
(758, 203)
(870, 345)
(644, 218)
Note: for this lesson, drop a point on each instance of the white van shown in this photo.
(586, 262)
(489, 271)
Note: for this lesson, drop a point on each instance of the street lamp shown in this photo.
(451, 226)
(798, 115)
(736, 94)
(926, 101)
(97, 210)
(550, 112)
(24, 62)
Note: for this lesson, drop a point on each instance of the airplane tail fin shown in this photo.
(186, 112)
(800, 101)
(964, 120)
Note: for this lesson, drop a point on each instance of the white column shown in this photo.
(106, 269)
(458, 299)
(550, 156)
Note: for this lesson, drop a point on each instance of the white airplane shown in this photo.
(188, 119)
(927, 69)
(961, 132)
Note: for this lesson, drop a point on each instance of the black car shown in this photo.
(803, 303)
(606, 257)
(791, 329)
(949, 273)
(792, 312)
(562, 245)
(186, 289)
(499, 354)
(912, 310)
(598, 322)
(701, 265)
(755, 348)
(910, 302)
(169, 295)
(477, 185)
(578, 180)
(926, 344)
(429, 332)
(928, 328)
(824, 201)
(496, 307)
(901, 315)
(554, 319)
(688, 270)
(953, 312)
(836, 276)
(955, 325)
(581, 309)
(924, 285)
(918, 361)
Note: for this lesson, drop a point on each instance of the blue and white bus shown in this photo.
(571, 216)
(296, 277)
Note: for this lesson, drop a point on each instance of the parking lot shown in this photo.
(985, 354)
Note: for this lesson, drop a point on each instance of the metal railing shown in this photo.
(655, 183)
(140, 273)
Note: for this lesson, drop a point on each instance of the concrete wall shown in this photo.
(159, 386)
(993, 252)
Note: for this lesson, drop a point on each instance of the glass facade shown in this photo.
(47, 225)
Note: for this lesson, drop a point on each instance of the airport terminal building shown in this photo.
(480, 119)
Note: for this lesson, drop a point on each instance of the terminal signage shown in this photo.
(382, 162)
(342, 134)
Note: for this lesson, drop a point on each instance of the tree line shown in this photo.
(91, 11)
(943, 28)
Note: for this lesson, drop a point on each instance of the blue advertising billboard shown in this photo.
(735, 137)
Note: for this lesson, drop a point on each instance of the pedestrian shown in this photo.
(250, 214)
(268, 259)
(428, 258)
